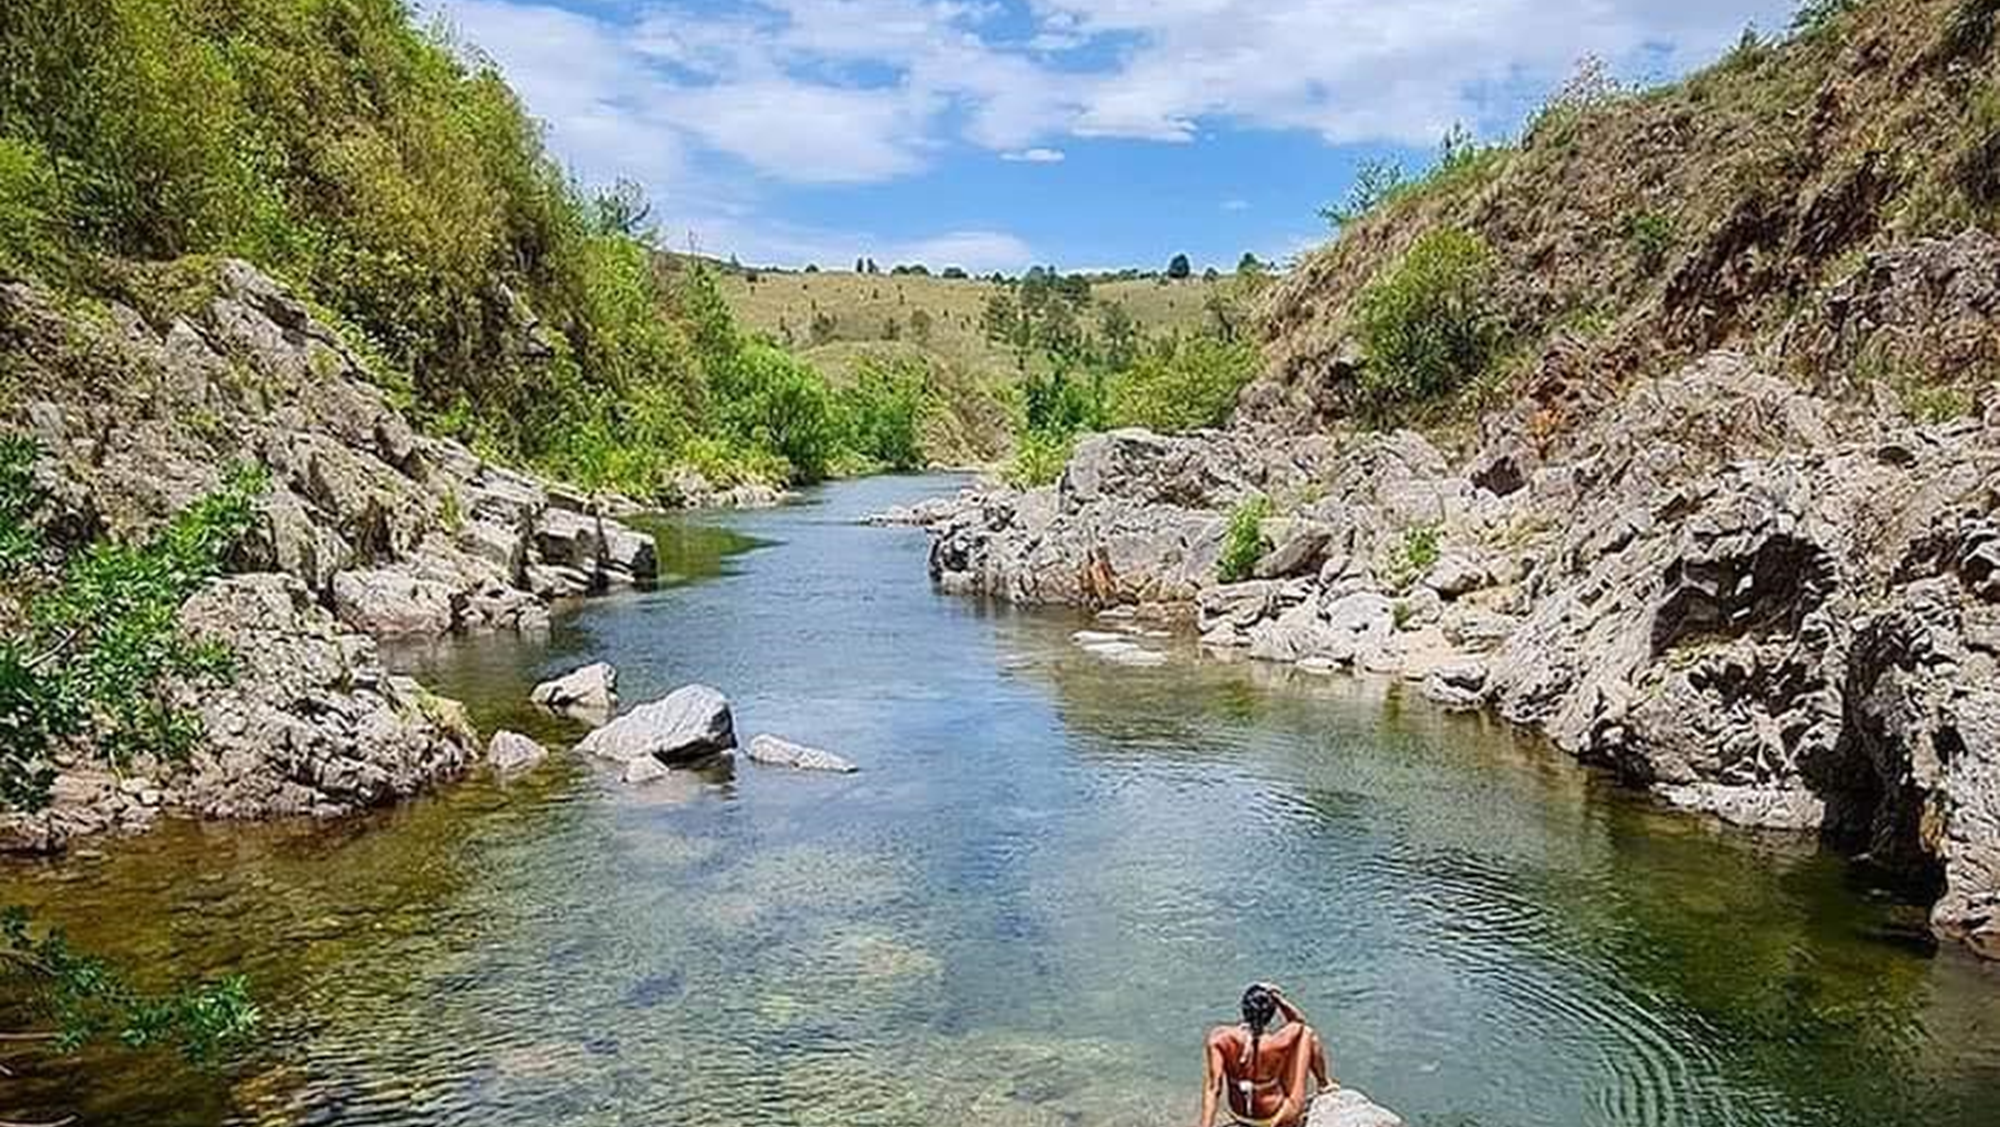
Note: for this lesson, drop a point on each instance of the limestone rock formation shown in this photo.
(311, 724)
(1346, 1107)
(511, 752)
(397, 533)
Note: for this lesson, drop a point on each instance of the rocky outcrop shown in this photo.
(396, 533)
(591, 692)
(1779, 609)
(772, 751)
(688, 725)
(310, 724)
(1136, 519)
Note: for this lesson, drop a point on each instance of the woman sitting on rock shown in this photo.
(1263, 1075)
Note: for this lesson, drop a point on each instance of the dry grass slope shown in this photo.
(1634, 230)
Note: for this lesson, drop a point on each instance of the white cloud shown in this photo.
(1236, 205)
(862, 91)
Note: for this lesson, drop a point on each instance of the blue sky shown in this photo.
(993, 134)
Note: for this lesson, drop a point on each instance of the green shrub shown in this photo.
(1243, 542)
(881, 410)
(1651, 235)
(1039, 458)
(1431, 323)
(92, 640)
(1182, 384)
(1415, 555)
(1376, 183)
(772, 400)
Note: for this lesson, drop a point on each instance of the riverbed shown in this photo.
(1052, 874)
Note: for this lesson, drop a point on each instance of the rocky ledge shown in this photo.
(394, 532)
(368, 530)
(1752, 601)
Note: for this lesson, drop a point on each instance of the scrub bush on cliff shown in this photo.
(1430, 324)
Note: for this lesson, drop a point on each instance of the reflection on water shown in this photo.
(1052, 874)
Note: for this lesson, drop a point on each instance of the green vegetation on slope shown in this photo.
(403, 189)
(1628, 230)
(979, 341)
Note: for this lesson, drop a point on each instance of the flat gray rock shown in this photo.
(773, 751)
(686, 726)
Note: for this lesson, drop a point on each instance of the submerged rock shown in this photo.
(591, 691)
(509, 752)
(773, 751)
(686, 726)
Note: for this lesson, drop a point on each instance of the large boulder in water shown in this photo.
(686, 726)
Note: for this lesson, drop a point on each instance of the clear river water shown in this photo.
(1053, 873)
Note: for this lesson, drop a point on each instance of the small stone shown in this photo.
(773, 751)
(510, 751)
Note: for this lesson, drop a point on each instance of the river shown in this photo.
(1052, 875)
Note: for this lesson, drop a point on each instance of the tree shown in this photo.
(812, 268)
(623, 210)
(1179, 268)
(1211, 274)
(955, 273)
(1249, 263)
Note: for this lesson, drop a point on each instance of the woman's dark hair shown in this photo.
(1259, 1007)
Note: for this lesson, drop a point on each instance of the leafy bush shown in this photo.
(93, 641)
(88, 1001)
(1182, 384)
(1417, 553)
(1376, 182)
(1430, 324)
(774, 401)
(1815, 16)
(880, 412)
(1651, 235)
(1039, 458)
(1969, 30)
(1243, 543)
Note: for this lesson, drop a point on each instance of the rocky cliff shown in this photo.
(368, 530)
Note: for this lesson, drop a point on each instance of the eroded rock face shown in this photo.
(1754, 602)
(688, 725)
(396, 533)
(310, 725)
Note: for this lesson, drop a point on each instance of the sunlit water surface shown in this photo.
(1051, 876)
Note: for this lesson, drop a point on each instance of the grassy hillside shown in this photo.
(842, 320)
(1629, 230)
